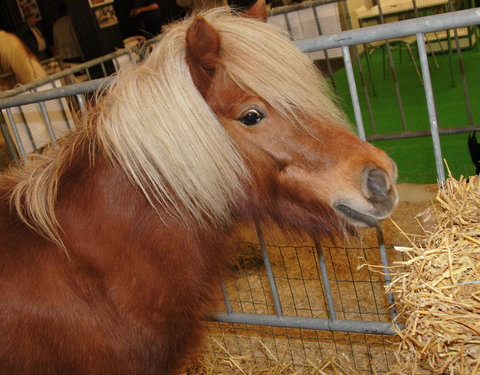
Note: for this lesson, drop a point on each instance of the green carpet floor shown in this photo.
(414, 156)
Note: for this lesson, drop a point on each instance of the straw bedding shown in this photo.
(438, 287)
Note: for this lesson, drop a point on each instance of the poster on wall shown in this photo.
(106, 16)
(96, 3)
(29, 7)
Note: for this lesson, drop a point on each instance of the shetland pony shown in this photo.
(16, 57)
(113, 244)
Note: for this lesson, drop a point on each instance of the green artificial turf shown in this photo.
(414, 156)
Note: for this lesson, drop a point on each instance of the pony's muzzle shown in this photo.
(376, 202)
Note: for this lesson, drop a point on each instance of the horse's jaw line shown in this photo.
(356, 218)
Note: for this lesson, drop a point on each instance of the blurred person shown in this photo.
(64, 37)
(32, 35)
(152, 14)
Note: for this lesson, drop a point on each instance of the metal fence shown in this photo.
(28, 127)
(298, 287)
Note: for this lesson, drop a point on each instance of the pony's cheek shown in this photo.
(306, 185)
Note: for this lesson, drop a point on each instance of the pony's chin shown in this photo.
(356, 218)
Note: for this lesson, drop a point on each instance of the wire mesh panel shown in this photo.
(33, 126)
(309, 22)
(358, 294)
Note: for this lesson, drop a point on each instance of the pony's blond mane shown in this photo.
(156, 125)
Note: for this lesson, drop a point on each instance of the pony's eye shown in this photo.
(251, 117)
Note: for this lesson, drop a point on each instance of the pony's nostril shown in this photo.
(377, 184)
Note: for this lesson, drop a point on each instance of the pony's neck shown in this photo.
(111, 219)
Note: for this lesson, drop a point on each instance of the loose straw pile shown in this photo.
(438, 288)
(225, 363)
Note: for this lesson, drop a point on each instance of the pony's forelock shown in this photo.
(158, 127)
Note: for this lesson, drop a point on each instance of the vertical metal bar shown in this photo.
(326, 282)
(89, 76)
(103, 69)
(464, 79)
(16, 135)
(361, 72)
(353, 92)
(27, 129)
(432, 113)
(51, 134)
(415, 8)
(327, 59)
(81, 104)
(386, 271)
(397, 87)
(394, 72)
(64, 111)
(226, 298)
(268, 268)
(8, 139)
(287, 23)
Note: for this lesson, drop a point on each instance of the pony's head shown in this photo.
(227, 113)
(308, 170)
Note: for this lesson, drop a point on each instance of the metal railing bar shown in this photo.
(27, 128)
(287, 24)
(104, 71)
(60, 92)
(437, 22)
(353, 92)
(81, 103)
(271, 278)
(422, 133)
(398, 95)
(386, 272)
(327, 58)
(48, 122)
(64, 111)
(340, 325)
(63, 73)
(361, 72)
(432, 113)
(18, 140)
(461, 66)
(226, 298)
(8, 139)
(304, 5)
(326, 282)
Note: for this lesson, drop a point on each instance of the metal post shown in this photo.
(386, 271)
(46, 117)
(353, 93)
(432, 113)
(18, 140)
(268, 268)
(326, 282)
(226, 298)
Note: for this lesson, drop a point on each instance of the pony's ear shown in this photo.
(202, 53)
(250, 8)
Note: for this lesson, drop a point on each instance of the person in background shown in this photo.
(64, 37)
(32, 35)
(152, 14)
(148, 16)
